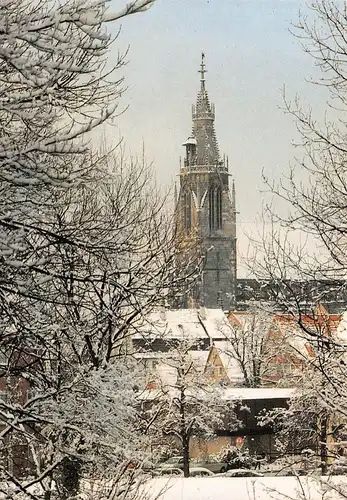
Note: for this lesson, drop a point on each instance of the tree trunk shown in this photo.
(184, 434)
(323, 435)
(185, 453)
(70, 477)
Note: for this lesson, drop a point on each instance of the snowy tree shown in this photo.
(76, 334)
(315, 419)
(300, 427)
(264, 345)
(86, 249)
(314, 189)
(54, 89)
(185, 403)
(248, 343)
(315, 193)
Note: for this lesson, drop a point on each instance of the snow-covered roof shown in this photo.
(199, 359)
(167, 375)
(152, 355)
(190, 324)
(215, 322)
(245, 488)
(191, 140)
(232, 394)
(246, 393)
(165, 372)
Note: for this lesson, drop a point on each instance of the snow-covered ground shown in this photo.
(221, 488)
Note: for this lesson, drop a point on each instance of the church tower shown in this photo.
(206, 208)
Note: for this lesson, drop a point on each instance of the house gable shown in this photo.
(215, 369)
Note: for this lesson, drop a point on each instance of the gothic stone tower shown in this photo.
(206, 208)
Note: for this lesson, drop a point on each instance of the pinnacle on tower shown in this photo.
(202, 70)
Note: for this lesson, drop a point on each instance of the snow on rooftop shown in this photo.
(246, 393)
(239, 488)
(229, 394)
(165, 370)
(160, 355)
(215, 322)
(183, 323)
(199, 359)
(167, 375)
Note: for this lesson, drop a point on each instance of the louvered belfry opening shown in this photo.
(215, 208)
(211, 209)
(218, 208)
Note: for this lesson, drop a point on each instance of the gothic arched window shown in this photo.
(211, 208)
(215, 208)
(219, 208)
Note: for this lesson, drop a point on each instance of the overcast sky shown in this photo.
(250, 56)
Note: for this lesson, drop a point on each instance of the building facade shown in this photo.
(206, 208)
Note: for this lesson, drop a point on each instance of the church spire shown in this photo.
(203, 123)
(206, 210)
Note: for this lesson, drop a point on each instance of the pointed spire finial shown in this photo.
(202, 71)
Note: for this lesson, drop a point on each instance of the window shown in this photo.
(211, 206)
(218, 371)
(215, 208)
(151, 364)
(219, 208)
